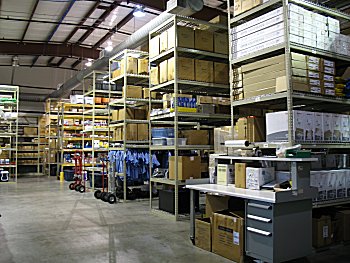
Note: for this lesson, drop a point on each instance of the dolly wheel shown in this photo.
(112, 199)
(97, 194)
(71, 186)
(104, 196)
(77, 187)
(82, 189)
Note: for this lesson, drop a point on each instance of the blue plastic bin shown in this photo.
(163, 133)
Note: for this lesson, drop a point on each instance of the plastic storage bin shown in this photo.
(68, 175)
(163, 133)
(180, 141)
(159, 141)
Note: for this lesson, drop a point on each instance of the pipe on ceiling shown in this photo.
(133, 41)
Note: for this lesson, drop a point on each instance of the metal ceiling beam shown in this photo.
(37, 49)
(53, 31)
(98, 22)
(76, 63)
(115, 29)
(30, 18)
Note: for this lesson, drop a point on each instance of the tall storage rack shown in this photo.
(9, 101)
(290, 99)
(177, 118)
(51, 131)
(123, 72)
(95, 130)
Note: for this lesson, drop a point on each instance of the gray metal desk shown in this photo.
(278, 225)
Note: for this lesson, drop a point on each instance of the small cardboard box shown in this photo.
(163, 71)
(228, 235)
(185, 37)
(131, 132)
(203, 233)
(131, 65)
(318, 122)
(142, 66)
(221, 73)
(225, 174)
(220, 19)
(154, 46)
(204, 71)
(126, 114)
(30, 131)
(188, 167)
(146, 93)
(240, 175)
(132, 92)
(115, 115)
(321, 231)
(142, 132)
(220, 43)
(154, 76)
(204, 40)
(140, 114)
(327, 126)
(185, 68)
(118, 134)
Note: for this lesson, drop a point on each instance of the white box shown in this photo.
(77, 99)
(337, 121)
(327, 126)
(345, 129)
(341, 184)
(328, 77)
(257, 177)
(309, 126)
(316, 90)
(318, 123)
(225, 174)
(318, 180)
(347, 182)
(89, 100)
(331, 184)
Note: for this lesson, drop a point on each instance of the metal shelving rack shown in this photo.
(9, 132)
(179, 119)
(124, 102)
(288, 99)
(95, 86)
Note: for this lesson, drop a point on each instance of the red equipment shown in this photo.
(79, 182)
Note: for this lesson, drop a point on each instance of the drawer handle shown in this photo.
(266, 207)
(258, 231)
(259, 218)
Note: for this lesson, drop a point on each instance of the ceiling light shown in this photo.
(15, 61)
(109, 47)
(89, 62)
(139, 12)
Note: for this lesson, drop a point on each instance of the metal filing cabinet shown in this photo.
(278, 232)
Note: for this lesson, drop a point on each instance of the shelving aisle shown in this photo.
(128, 72)
(173, 75)
(9, 101)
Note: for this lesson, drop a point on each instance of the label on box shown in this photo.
(329, 70)
(330, 92)
(313, 74)
(315, 82)
(328, 63)
(313, 66)
(315, 90)
(330, 85)
(314, 60)
(328, 77)
(235, 238)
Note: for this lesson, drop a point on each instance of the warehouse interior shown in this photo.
(174, 131)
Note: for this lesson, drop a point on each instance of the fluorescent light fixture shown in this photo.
(139, 12)
(109, 47)
(89, 62)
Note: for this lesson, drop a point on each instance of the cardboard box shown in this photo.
(185, 68)
(203, 233)
(131, 65)
(204, 71)
(263, 63)
(318, 123)
(204, 40)
(228, 235)
(163, 39)
(126, 114)
(220, 19)
(130, 134)
(225, 174)
(142, 66)
(30, 131)
(344, 219)
(154, 76)
(337, 122)
(188, 167)
(221, 73)
(163, 71)
(185, 37)
(195, 137)
(146, 94)
(214, 203)
(221, 43)
(251, 129)
(327, 126)
(118, 134)
(257, 177)
(140, 114)
(115, 115)
(132, 92)
(154, 46)
(204, 100)
(240, 175)
(142, 132)
(321, 231)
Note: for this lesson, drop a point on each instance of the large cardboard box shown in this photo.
(203, 233)
(185, 68)
(146, 94)
(221, 73)
(131, 132)
(115, 115)
(195, 137)
(220, 43)
(163, 71)
(263, 63)
(188, 167)
(214, 203)
(228, 235)
(30, 131)
(204, 40)
(126, 114)
(204, 71)
(140, 114)
(132, 92)
(154, 46)
(251, 129)
(142, 66)
(142, 132)
(154, 76)
(131, 65)
(240, 175)
(220, 19)
(163, 38)
(321, 231)
(185, 37)
(344, 220)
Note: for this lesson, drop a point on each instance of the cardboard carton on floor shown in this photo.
(321, 231)
(203, 233)
(214, 203)
(228, 235)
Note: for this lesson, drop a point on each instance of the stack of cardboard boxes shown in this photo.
(241, 6)
(133, 66)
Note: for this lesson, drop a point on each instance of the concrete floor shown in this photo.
(43, 221)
